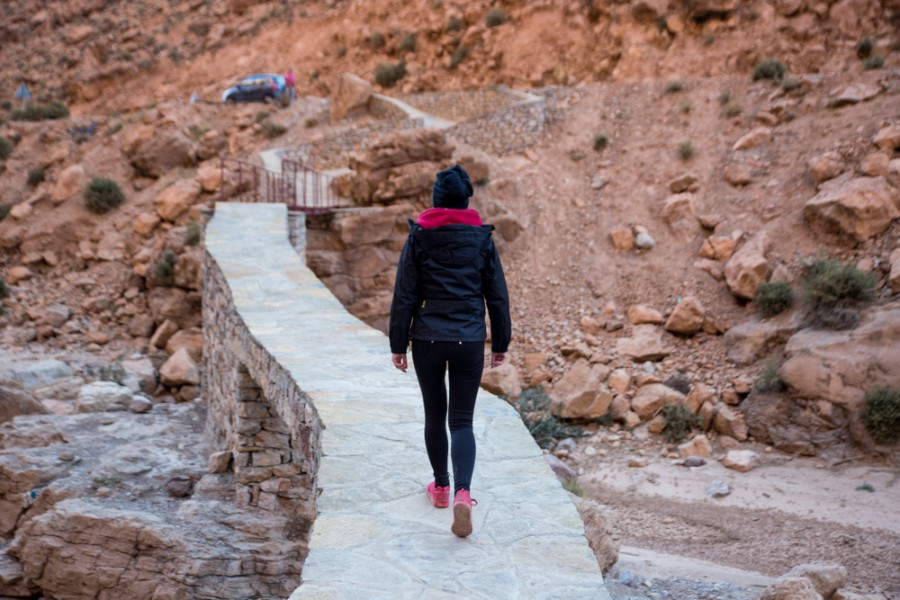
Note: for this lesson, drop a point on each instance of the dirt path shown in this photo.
(787, 512)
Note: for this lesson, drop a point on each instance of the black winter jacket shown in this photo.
(445, 276)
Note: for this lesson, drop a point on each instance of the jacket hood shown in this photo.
(438, 217)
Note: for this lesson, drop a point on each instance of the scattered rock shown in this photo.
(730, 422)
(698, 446)
(687, 317)
(748, 267)
(859, 208)
(642, 239)
(163, 333)
(622, 237)
(180, 486)
(741, 460)
(888, 138)
(791, 588)
(717, 489)
(502, 381)
(21, 211)
(751, 340)
(825, 578)
(351, 96)
(597, 531)
(16, 274)
(718, 247)
(190, 339)
(619, 381)
(180, 369)
(757, 137)
(853, 94)
(688, 182)
(580, 394)
(637, 462)
(644, 344)
(140, 405)
(894, 277)
(599, 181)
(826, 166)
(71, 182)
(145, 223)
(562, 471)
(154, 152)
(875, 165)
(738, 174)
(678, 213)
(103, 395)
(219, 461)
(641, 313)
(176, 199)
(652, 397)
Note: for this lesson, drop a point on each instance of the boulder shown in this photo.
(687, 317)
(71, 182)
(730, 422)
(619, 381)
(351, 96)
(16, 401)
(641, 313)
(751, 340)
(145, 223)
(888, 138)
(854, 94)
(209, 176)
(644, 344)
(16, 274)
(687, 182)
(153, 153)
(163, 333)
(678, 213)
(176, 199)
(842, 366)
(757, 137)
(142, 371)
(180, 369)
(791, 588)
(875, 165)
(741, 460)
(698, 446)
(738, 174)
(642, 238)
(502, 381)
(858, 208)
(211, 144)
(718, 247)
(652, 397)
(649, 10)
(748, 267)
(21, 211)
(581, 393)
(103, 395)
(825, 166)
(825, 578)
(700, 10)
(174, 304)
(190, 339)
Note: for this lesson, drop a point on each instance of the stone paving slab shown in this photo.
(376, 534)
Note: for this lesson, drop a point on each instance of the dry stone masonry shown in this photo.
(349, 425)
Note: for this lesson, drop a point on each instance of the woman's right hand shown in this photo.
(497, 359)
(399, 361)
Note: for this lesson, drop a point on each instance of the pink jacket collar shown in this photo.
(436, 217)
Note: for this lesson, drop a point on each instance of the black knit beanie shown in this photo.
(452, 188)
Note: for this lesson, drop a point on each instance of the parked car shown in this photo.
(255, 88)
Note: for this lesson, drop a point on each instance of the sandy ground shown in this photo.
(787, 512)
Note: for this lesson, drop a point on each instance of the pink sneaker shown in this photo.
(462, 513)
(439, 496)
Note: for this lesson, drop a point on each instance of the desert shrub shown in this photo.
(388, 75)
(4, 211)
(36, 176)
(376, 40)
(546, 429)
(732, 109)
(193, 233)
(341, 51)
(459, 55)
(773, 297)
(881, 415)
(483, 181)
(41, 112)
(572, 486)
(408, 43)
(102, 195)
(864, 48)
(673, 87)
(769, 380)
(770, 69)
(679, 383)
(6, 104)
(164, 269)
(685, 150)
(873, 62)
(114, 128)
(834, 291)
(724, 98)
(686, 106)
(679, 421)
(272, 130)
(197, 131)
(600, 142)
(262, 116)
(495, 17)
(4, 288)
(6, 147)
(790, 84)
(455, 24)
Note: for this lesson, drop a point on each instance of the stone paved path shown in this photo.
(376, 535)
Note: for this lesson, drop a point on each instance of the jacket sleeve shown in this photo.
(405, 298)
(497, 298)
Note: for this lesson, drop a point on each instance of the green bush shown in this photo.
(679, 383)
(341, 51)
(36, 176)
(272, 130)
(685, 150)
(455, 24)
(724, 98)
(102, 195)
(388, 75)
(773, 298)
(546, 429)
(573, 487)
(4, 288)
(864, 48)
(6, 147)
(770, 69)
(881, 415)
(408, 43)
(769, 380)
(834, 291)
(4, 211)
(164, 269)
(600, 142)
(873, 62)
(376, 40)
(41, 112)
(495, 17)
(673, 87)
(459, 55)
(193, 233)
(679, 421)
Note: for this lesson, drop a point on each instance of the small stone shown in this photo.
(688, 182)
(888, 138)
(17, 274)
(622, 238)
(757, 137)
(219, 461)
(180, 486)
(140, 405)
(638, 314)
(636, 462)
(693, 461)
(599, 181)
(738, 174)
(698, 446)
(741, 460)
(643, 239)
(717, 489)
(562, 471)
(67, 456)
(875, 165)
(98, 337)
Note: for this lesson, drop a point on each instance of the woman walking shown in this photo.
(449, 269)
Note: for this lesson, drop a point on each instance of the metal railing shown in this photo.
(301, 188)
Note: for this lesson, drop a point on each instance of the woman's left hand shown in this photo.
(497, 359)
(399, 361)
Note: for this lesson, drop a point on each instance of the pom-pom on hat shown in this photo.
(452, 188)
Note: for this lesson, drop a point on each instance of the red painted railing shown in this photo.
(300, 187)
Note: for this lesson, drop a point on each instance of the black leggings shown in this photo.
(465, 361)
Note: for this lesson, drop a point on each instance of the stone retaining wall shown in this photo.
(462, 105)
